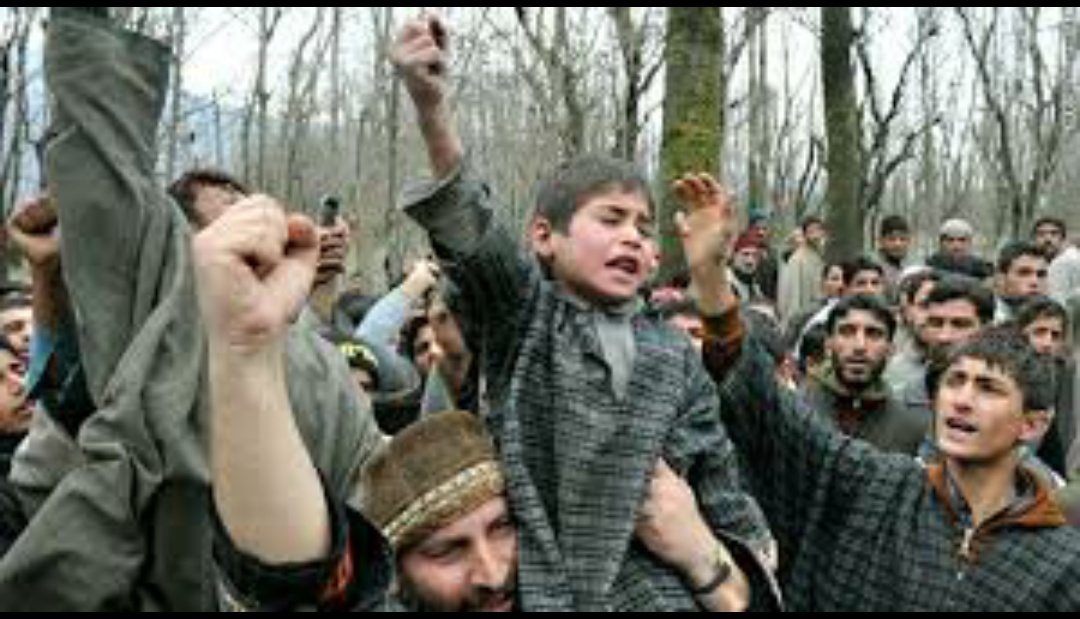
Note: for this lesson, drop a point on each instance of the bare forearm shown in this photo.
(441, 138)
(733, 594)
(50, 298)
(266, 489)
(715, 296)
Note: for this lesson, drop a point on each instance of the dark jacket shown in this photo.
(861, 530)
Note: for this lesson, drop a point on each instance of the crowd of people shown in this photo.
(537, 426)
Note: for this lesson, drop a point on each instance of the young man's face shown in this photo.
(895, 245)
(1050, 237)
(832, 286)
(14, 409)
(427, 351)
(17, 323)
(980, 412)
(815, 235)
(1047, 335)
(605, 256)
(860, 348)
(868, 282)
(468, 565)
(949, 324)
(1025, 278)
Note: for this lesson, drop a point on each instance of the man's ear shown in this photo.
(541, 237)
(1034, 424)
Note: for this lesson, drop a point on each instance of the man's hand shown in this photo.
(421, 280)
(671, 526)
(708, 229)
(669, 523)
(420, 56)
(34, 228)
(254, 267)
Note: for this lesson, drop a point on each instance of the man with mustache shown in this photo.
(849, 391)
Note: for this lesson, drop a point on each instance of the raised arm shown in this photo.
(33, 226)
(254, 268)
(458, 211)
(420, 56)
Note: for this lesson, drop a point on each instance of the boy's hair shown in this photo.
(1014, 251)
(561, 193)
(863, 303)
(893, 224)
(812, 347)
(183, 189)
(1041, 306)
(1006, 349)
(858, 265)
(15, 299)
(954, 288)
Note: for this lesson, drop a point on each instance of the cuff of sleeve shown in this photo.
(723, 341)
(336, 581)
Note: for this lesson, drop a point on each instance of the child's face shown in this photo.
(608, 251)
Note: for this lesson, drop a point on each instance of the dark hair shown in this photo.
(1004, 348)
(15, 299)
(812, 346)
(894, 224)
(1015, 250)
(1057, 222)
(185, 188)
(961, 264)
(829, 265)
(561, 193)
(810, 220)
(864, 303)
(1041, 306)
(857, 265)
(953, 288)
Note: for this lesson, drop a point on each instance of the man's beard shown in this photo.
(416, 599)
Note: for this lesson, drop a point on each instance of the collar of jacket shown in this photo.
(1033, 507)
(826, 376)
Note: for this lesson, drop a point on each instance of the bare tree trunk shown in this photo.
(269, 18)
(336, 95)
(758, 141)
(692, 106)
(178, 29)
(557, 59)
(844, 219)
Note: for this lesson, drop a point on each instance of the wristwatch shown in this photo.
(721, 573)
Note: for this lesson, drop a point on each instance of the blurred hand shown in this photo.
(254, 267)
(34, 228)
(420, 55)
(708, 227)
